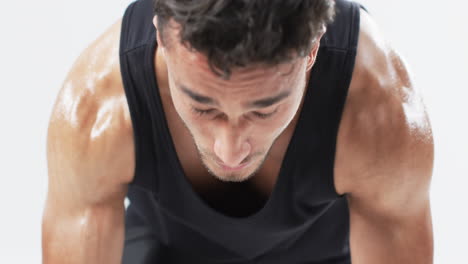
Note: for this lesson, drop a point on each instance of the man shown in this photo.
(242, 132)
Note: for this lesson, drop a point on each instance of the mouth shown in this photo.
(237, 168)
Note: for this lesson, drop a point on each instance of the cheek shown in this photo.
(284, 116)
(182, 108)
(263, 133)
(267, 134)
(198, 127)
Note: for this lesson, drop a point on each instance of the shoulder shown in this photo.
(385, 140)
(90, 133)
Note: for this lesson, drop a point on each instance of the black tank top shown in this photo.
(303, 221)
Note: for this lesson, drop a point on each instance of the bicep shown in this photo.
(79, 226)
(389, 198)
(83, 219)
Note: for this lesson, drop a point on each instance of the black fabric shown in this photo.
(303, 221)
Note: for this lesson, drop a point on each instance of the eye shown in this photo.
(264, 116)
(202, 111)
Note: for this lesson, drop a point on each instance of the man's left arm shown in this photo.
(387, 159)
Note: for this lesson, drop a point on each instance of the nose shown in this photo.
(230, 147)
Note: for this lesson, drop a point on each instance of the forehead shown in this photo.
(191, 69)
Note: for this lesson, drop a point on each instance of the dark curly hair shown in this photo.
(236, 33)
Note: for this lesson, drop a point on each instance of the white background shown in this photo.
(40, 40)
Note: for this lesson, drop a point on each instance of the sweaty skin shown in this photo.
(384, 156)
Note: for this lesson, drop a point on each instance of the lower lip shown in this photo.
(226, 168)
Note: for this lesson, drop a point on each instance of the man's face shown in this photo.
(234, 122)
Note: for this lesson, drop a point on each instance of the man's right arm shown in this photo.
(90, 159)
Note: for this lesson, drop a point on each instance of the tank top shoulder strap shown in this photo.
(136, 58)
(342, 32)
(328, 88)
(136, 31)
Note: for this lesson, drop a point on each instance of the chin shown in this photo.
(241, 175)
(233, 178)
(255, 163)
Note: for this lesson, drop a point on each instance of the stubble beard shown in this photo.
(235, 177)
(231, 176)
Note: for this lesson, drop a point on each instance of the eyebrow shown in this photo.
(198, 97)
(269, 101)
(261, 103)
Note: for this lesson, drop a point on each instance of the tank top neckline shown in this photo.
(203, 208)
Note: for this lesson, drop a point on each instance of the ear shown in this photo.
(158, 33)
(313, 52)
(155, 21)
